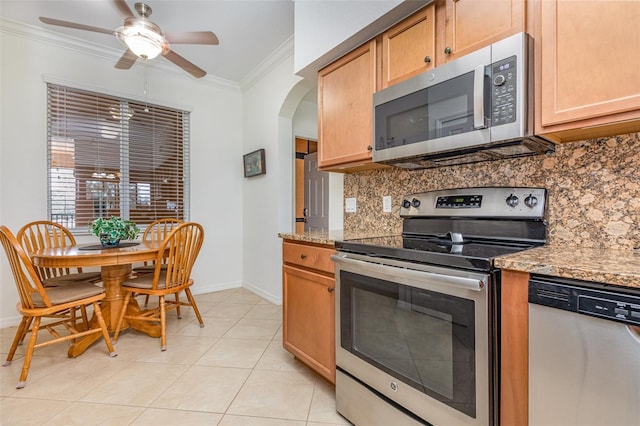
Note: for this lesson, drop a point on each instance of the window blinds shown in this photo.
(110, 156)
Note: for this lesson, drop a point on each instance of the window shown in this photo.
(109, 156)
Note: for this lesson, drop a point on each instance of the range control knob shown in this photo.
(415, 203)
(512, 200)
(406, 203)
(531, 201)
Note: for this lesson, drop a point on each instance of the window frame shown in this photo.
(129, 162)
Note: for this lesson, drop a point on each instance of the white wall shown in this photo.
(268, 108)
(305, 118)
(305, 124)
(216, 144)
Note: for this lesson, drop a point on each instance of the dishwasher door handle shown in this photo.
(634, 331)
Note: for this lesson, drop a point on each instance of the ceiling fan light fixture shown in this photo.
(144, 41)
(121, 112)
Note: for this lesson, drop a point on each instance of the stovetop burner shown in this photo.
(442, 228)
(467, 255)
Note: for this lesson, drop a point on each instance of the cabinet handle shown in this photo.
(427, 59)
(369, 148)
(330, 289)
(303, 256)
(447, 51)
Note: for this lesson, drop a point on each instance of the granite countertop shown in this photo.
(610, 266)
(326, 237)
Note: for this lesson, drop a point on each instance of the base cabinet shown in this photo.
(514, 359)
(308, 306)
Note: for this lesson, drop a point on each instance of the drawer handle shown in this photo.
(330, 289)
(303, 256)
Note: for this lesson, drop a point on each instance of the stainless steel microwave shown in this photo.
(478, 107)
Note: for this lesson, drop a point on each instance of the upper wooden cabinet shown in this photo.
(468, 25)
(587, 68)
(345, 109)
(409, 47)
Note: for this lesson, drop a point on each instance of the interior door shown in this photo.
(316, 194)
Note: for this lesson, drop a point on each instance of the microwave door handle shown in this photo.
(478, 98)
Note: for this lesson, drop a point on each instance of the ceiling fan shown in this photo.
(144, 39)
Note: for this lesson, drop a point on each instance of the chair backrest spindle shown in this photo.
(26, 278)
(181, 248)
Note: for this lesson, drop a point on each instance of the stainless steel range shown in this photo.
(417, 314)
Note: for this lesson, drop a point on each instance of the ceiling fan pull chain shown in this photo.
(146, 95)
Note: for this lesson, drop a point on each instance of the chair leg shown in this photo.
(20, 333)
(178, 305)
(26, 330)
(192, 301)
(163, 325)
(121, 316)
(105, 333)
(29, 354)
(85, 318)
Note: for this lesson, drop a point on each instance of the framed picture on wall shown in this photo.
(254, 164)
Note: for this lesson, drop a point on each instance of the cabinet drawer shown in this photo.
(308, 256)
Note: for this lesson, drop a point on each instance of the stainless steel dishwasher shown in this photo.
(584, 353)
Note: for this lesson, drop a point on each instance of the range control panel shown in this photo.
(490, 202)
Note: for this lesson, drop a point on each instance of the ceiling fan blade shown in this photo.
(194, 37)
(125, 11)
(75, 25)
(127, 60)
(192, 69)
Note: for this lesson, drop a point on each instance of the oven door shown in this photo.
(415, 335)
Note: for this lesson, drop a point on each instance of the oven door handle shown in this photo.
(450, 280)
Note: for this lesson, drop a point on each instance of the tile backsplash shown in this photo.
(593, 186)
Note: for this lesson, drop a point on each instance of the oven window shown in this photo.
(423, 338)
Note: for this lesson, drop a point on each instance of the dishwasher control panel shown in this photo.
(595, 299)
(622, 310)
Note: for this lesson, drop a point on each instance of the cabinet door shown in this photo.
(345, 109)
(472, 24)
(409, 47)
(590, 61)
(309, 318)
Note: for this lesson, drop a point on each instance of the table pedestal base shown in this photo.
(112, 277)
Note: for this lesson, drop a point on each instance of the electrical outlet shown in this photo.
(386, 204)
(350, 205)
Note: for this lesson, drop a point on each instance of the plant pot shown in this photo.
(108, 243)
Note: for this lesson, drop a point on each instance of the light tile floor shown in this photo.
(232, 372)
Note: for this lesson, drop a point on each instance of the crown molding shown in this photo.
(282, 52)
(40, 35)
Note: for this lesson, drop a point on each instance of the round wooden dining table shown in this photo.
(115, 266)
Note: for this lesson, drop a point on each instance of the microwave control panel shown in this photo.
(503, 91)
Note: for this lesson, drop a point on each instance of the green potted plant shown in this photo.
(111, 231)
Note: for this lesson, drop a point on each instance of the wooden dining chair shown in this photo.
(55, 304)
(43, 234)
(156, 231)
(181, 248)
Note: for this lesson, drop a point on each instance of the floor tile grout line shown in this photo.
(275, 337)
